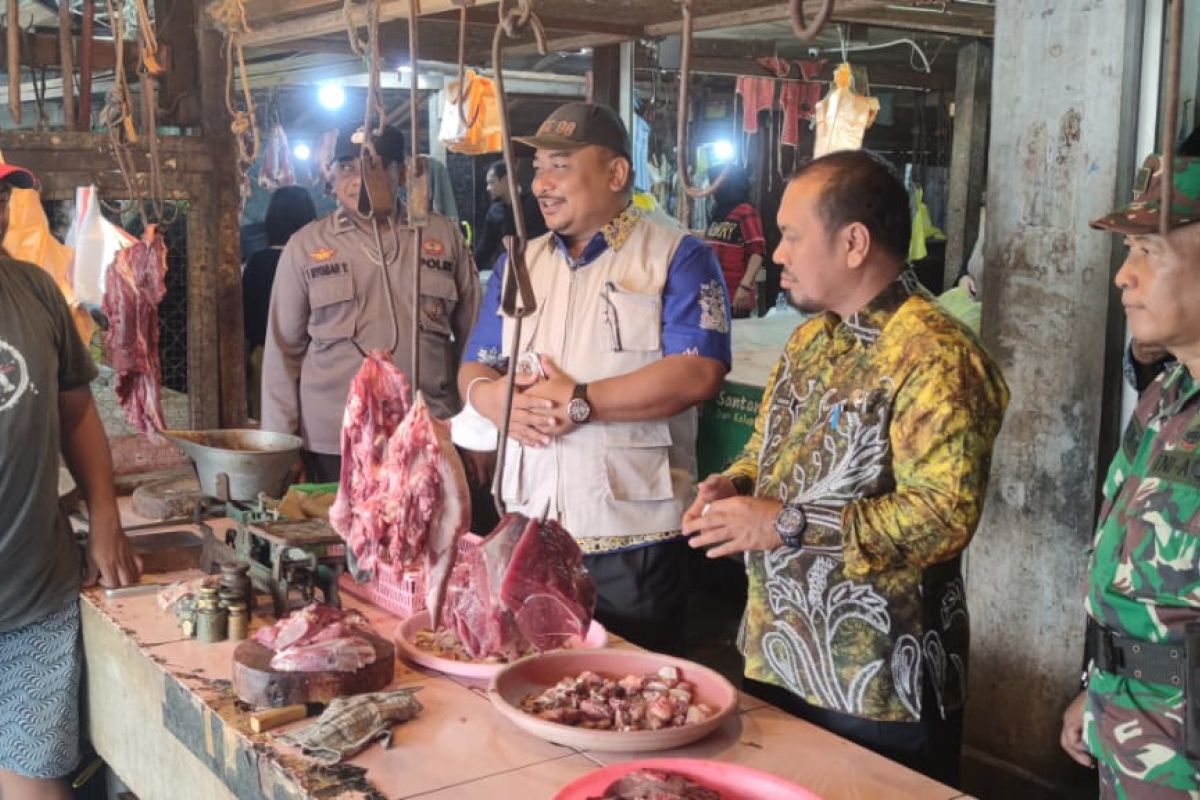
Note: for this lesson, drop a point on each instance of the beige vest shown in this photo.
(600, 321)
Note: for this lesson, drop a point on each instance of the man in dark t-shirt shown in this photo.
(499, 220)
(46, 408)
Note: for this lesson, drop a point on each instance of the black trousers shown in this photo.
(642, 594)
(932, 746)
(321, 467)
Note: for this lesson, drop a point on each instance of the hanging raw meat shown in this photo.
(524, 586)
(375, 405)
(403, 499)
(134, 286)
(276, 168)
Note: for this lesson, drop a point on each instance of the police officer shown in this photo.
(1138, 717)
(341, 291)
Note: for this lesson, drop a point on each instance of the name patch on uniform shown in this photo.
(325, 270)
(440, 264)
(323, 254)
(432, 247)
(1179, 466)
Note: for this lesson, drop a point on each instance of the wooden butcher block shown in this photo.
(167, 499)
(259, 685)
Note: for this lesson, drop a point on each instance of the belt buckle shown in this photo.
(1114, 657)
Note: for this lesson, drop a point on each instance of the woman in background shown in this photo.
(290, 209)
(735, 233)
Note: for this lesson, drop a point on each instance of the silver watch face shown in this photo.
(579, 410)
(789, 523)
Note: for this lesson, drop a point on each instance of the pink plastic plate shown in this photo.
(597, 637)
(538, 672)
(733, 781)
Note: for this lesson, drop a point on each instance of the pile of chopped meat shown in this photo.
(319, 638)
(633, 703)
(656, 784)
(403, 499)
(523, 586)
(134, 286)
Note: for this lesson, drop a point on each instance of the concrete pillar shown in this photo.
(1064, 88)
(968, 171)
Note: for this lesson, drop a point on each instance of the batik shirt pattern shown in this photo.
(881, 426)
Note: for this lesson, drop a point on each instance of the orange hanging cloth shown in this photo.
(483, 136)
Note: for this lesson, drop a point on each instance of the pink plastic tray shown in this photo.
(535, 673)
(733, 781)
(597, 637)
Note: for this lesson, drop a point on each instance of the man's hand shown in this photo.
(556, 388)
(527, 418)
(1147, 353)
(743, 302)
(110, 558)
(734, 525)
(1071, 738)
(710, 490)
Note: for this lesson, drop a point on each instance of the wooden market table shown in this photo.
(161, 712)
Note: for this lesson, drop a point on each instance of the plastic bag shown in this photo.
(95, 242)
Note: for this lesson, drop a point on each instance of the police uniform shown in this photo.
(1142, 716)
(330, 306)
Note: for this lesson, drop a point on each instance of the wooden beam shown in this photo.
(980, 24)
(968, 154)
(42, 49)
(180, 86)
(487, 17)
(270, 31)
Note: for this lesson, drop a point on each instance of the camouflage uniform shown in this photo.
(1144, 574)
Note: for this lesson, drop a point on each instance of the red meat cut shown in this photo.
(403, 499)
(522, 586)
(319, 638)
(134, 286)
(376, 404)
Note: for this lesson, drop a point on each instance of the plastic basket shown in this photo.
(402, 596)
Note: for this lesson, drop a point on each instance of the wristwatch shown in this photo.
(579, 410)
(790, 523)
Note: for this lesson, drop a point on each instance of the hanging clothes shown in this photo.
(799, 102)
(811, 68)
(780, 67)
(641, 154)
(482, 110)
(758, 94)
(923, 228)
(843, 116)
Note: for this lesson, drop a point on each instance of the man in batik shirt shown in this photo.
(1139, 714)
(863, 481)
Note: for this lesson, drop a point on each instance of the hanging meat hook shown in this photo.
(463, 5)
(681, 129)
(517, 299)
(804, 31)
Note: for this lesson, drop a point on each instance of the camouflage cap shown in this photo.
(1140, 217)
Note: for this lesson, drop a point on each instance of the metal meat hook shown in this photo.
(463, 5)
(518, 299)
(681, 126)
(806, 32)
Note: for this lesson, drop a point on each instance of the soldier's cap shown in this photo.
(1140, 217)
(17, 177)
(389, 144)
(576, 125)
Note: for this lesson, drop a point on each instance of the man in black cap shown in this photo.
(46, 409)
(631, 332)
(344, 288)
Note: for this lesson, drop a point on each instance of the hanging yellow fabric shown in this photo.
(923, 229)
(483, 136)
